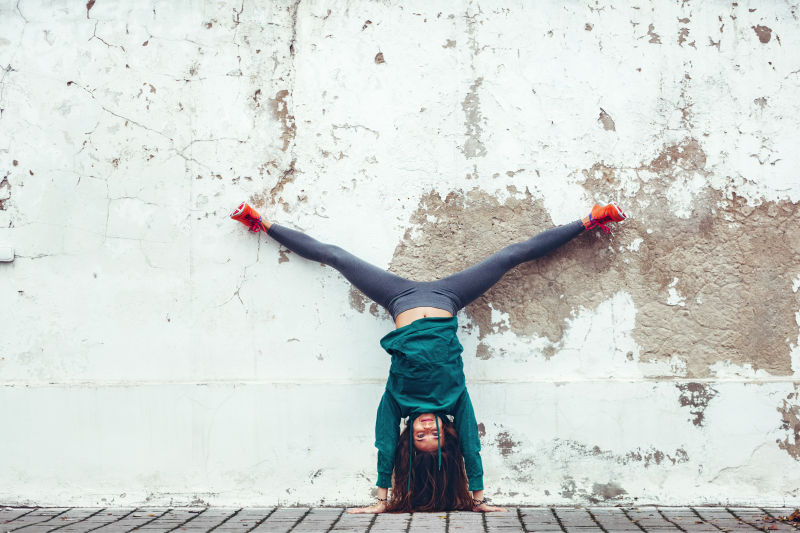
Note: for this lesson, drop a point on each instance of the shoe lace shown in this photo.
(255, 223)
(594, 223)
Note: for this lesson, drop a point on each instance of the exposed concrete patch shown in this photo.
(648, 457)
(764, 33)
(599, 493)
(473, 146)
(654, 37)
(280, 111)
(696, 397)
(790, 422)
(686, 155)
(738, 308)
(606, 120)
(505, 443)
(606, 491)
(568, 488)
(274, 195)
(5, 190)
(359, 302)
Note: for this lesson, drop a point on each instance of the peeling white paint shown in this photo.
(674, 297)
(635, 244)
(730, 370)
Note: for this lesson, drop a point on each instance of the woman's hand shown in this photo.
(372, 509)
(486, 508)
(479, 504)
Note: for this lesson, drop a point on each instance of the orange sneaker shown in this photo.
(249, 217)
(604, 213)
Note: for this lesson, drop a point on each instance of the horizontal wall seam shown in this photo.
(375, 381)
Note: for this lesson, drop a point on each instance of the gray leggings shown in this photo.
(397, 294)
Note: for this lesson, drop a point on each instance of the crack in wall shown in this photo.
(280, 107)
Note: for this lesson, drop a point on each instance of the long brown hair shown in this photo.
(432, 489)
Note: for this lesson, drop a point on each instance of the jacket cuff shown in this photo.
(385, 481)
(476, 483)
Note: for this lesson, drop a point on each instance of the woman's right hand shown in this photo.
(372, 509)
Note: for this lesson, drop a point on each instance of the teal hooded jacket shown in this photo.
(426, 376)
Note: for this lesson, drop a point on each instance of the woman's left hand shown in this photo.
(372, 509)
(486, 508)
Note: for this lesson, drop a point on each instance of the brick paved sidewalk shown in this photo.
(324, 519)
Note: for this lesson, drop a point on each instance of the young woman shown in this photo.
(434, 463)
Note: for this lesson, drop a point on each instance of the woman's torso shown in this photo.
(415, 313)
(427, 373)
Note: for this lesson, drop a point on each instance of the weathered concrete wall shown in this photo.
(151, 350)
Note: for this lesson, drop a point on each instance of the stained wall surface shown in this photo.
(152, 350)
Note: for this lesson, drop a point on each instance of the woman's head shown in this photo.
(427, 433)
(430, 487)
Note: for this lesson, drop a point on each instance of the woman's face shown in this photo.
(425, 434)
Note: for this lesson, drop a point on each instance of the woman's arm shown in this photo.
(469, 441)
(387, 431)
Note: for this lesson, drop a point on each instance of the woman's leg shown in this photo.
(471, 282)
(375, 283)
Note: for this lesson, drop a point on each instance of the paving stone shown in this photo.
(127, 523)
(35, 517)
(8, 514)
(318, 520)
(465, 522)
(618, 525)
(428, 522)
(353, 522)
(386, 523)
(539, 519)
(92, 523)
(60, 520)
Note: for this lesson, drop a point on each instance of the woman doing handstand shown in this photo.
(434, 463)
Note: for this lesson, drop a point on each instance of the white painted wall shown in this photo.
(151, 350)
